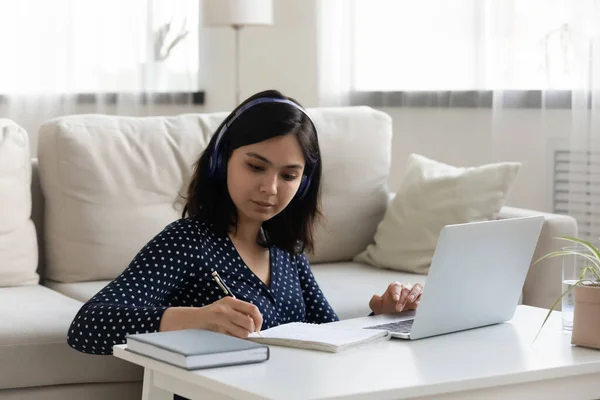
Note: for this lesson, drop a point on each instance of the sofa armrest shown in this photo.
(543, 284)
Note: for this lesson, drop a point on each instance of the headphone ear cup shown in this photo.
(303, 188)
(219, 170)
(212, 162)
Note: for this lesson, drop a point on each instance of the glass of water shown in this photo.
(572, 266)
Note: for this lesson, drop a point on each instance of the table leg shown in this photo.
(147, 385)
(150, 391)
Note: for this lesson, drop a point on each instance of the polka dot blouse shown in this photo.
(174, 269)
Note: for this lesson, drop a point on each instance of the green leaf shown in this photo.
(586, 256)
(593, 270)
(588, 245)
(569, 253)
(551, 255)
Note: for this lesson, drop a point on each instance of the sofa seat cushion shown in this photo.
(349, 286)
(337, 280)
(33, 343)
(82, 291)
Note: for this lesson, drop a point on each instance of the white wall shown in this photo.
(284, 57)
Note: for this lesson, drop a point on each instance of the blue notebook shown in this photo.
(196, 348)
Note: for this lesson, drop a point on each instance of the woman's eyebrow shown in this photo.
(264, 159)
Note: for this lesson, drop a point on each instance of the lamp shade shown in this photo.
(238, 12)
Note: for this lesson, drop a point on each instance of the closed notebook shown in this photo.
(196, 348)
(318, 337)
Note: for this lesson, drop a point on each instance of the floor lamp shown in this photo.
(238, 14)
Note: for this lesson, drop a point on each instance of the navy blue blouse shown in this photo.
(174, 270)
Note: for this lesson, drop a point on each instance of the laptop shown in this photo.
(475, 279)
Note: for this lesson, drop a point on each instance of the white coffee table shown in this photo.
(496, 362)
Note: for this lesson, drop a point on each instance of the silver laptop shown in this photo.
(476, 278)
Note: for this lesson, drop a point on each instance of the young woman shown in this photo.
(251, 208)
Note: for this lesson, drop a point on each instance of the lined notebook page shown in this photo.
(317, 337)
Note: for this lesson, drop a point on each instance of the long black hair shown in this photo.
(208, 199)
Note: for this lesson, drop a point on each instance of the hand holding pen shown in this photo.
(228, 315)
(252, 315)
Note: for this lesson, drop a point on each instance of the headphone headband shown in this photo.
(251, 104)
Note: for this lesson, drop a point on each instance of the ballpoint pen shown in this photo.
(222, 284)
(226, 289)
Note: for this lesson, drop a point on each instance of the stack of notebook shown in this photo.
(196, 349)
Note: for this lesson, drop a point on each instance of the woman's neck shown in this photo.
(246, 232)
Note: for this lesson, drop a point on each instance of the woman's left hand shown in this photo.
(397, 297)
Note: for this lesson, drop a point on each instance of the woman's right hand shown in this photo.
(232, 316)
(228, 315)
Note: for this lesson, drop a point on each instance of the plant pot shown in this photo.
(586, 317)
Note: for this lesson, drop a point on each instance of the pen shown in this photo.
(226, 289)
(222, 284)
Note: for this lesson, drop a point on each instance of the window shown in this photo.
(439, 45)
(91, 46)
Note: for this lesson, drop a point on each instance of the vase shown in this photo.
(586, 316)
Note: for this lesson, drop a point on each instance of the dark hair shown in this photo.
(208, 199)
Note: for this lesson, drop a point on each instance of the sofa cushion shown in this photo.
(82, 291)
(18, 243)
(431, 196)
(33, 343)
(349, 286)
(356, 147)
(111, 183)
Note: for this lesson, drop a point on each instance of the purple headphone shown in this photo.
(215, 165)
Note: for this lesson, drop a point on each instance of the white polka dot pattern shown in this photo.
(174, 269)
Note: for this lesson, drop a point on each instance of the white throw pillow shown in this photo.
(18, 242)
(432, 196)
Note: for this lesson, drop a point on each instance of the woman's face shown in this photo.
(262, 178)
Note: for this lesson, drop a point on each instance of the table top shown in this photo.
(495, 355)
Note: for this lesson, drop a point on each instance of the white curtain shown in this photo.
(505, 56)
(87, 56)
(335, 41)
(582, 189)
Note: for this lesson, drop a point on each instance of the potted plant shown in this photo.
(586, 314)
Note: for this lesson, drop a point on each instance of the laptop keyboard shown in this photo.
(400, 326)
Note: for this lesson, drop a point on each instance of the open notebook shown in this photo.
(318, 337)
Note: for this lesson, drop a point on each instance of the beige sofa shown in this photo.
(105, 185)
